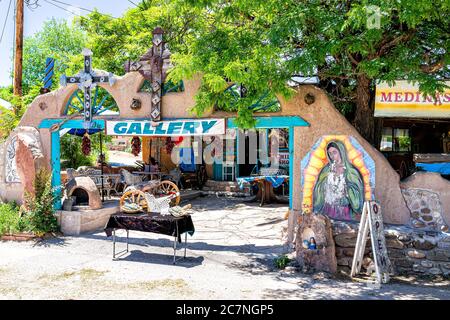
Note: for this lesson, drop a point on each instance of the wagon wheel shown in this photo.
(136, 197)
(166, 188)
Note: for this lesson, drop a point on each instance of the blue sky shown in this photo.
(34, 19)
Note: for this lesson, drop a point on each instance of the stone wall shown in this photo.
(411, 251)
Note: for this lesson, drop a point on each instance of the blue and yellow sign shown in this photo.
(191, 127)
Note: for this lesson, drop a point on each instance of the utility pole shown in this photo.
(18, 49)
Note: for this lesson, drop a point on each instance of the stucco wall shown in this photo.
(325, 119)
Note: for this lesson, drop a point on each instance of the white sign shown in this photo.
(372, 220)
(191, 127)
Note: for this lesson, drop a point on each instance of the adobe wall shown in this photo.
(325, 120)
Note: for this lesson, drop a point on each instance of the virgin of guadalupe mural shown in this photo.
(338, 175)
(339, 190)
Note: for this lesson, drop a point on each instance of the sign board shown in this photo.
(404, 100)
(191, 127)
(283, 158)
(372, 220)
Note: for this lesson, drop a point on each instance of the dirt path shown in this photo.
(230, 256)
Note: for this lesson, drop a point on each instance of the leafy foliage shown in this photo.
(282, 261)
(9, 218)
(39, 210)
(264, 44)
(58, 40)
(72, 155)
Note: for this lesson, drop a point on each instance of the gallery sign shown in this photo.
(191, 127)
(406, 101)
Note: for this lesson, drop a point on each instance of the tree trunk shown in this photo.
(364, 119)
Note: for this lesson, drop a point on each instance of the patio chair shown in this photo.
(134, 181)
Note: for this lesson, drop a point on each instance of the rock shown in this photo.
(394, 243)
(425, 210)
(416, 254)
(404, 238)
(438, 255)
(346, 240)
(405, 263)
(426, 264)
(418, 224)
(339, 252)
(345, 261)
(415, 214)
(319, 227)
(427, 218)
(423, 244)
(444, 228)
(366, 262)
(319, 276)
(290, 269)
(396, 253)
(435, 271)
(29, 157)
(349, 252)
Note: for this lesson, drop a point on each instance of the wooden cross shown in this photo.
(87, 79)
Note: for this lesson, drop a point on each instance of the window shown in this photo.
(395, 139)
(386, 140)
(402, 140)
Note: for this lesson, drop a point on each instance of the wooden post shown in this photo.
(157, 84)
(19, 50)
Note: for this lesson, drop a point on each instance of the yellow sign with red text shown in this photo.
(406, 101)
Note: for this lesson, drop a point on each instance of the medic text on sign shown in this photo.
(195, 127)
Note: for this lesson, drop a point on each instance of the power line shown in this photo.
(68, 4)
(6, 19)
(62, 8)
(72, 6)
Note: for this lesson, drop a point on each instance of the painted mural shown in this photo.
(11, 167)
(337, 177)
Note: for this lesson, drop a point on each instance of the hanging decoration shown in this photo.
(135, 146)
(169, 145)
(86, 145)
(172, 142)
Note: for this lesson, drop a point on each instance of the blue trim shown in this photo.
(274, 122)
(291, 165)
(72, 124)
(56, 166)
(236, 173)
(100, 105)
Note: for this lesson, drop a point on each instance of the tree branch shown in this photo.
(430, 68)
(352, 59)
(392, 43)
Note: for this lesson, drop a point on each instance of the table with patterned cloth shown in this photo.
(151, 222)
(266, 184)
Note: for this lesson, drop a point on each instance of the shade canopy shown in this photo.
(81, 132)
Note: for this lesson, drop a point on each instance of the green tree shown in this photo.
(58, 40)
(349, 45)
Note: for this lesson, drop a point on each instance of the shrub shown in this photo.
(281, 262)
(39, 208)
(9, 218)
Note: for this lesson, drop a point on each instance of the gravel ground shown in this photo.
(230, 256)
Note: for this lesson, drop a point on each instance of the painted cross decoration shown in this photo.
(87, 80)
